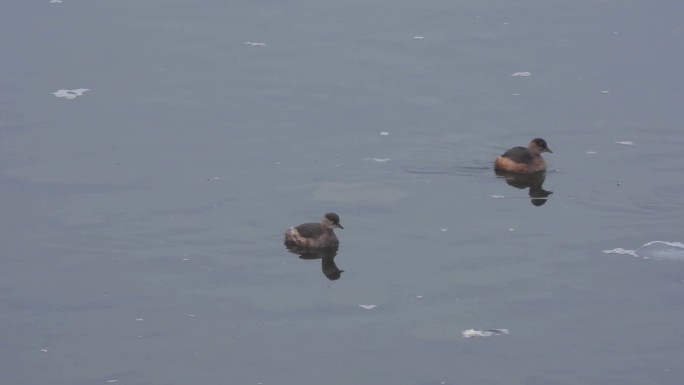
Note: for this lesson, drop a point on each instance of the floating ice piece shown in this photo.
(524, 74)
(368, 307)
(112, 381)
(419, 37)
(43, 350)
(420, 297)
(626, 142)
(70, 94)
(55, 1)
(380, 160)
(591, 152)
(661, 250)
(139, 319)
(483, 333)
(620, 250)
(255, 44)
(443, 230)
(498, 196)
(605, 91)
(384, 133)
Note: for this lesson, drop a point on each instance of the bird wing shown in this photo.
(310, 230)
(518, 154)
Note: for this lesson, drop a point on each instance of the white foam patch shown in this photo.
(660, 250)
(70, 94)
(626, 142)
(379, 160)
(384, 133)
(419, 37)
(55, 1)
(523, 74)
(255, 44)
(469, 333)
(368, 307)
(498, 196)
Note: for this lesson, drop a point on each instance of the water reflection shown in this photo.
(532, 181)
(327, 256)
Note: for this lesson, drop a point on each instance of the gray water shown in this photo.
(142, 221)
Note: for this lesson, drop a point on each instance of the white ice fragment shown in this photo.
(368, 307)
(384, 133)
(112, 381)
(139, 319)
(511, 229)
(498, 196)
(419, 37)
(419, 297)
(379, 160)
(55, 1)
(443, 230)
(659, 250)
(620, 250)
(605, 92)
(626, 142)
(591, 152)
(191, 315)
(70, 94)
(483, 333)
(43, 350)
(524, 74)
(515, 94)
(255, 44)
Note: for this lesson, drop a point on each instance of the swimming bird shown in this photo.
(523, 160)
(315, 234)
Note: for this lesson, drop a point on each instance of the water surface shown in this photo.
(143, 219)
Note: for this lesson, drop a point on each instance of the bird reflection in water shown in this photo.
(532, 181)
(325, 254)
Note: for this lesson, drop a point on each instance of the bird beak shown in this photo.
(339, 225)
(548, 150)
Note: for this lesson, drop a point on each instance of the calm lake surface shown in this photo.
(144, 204)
